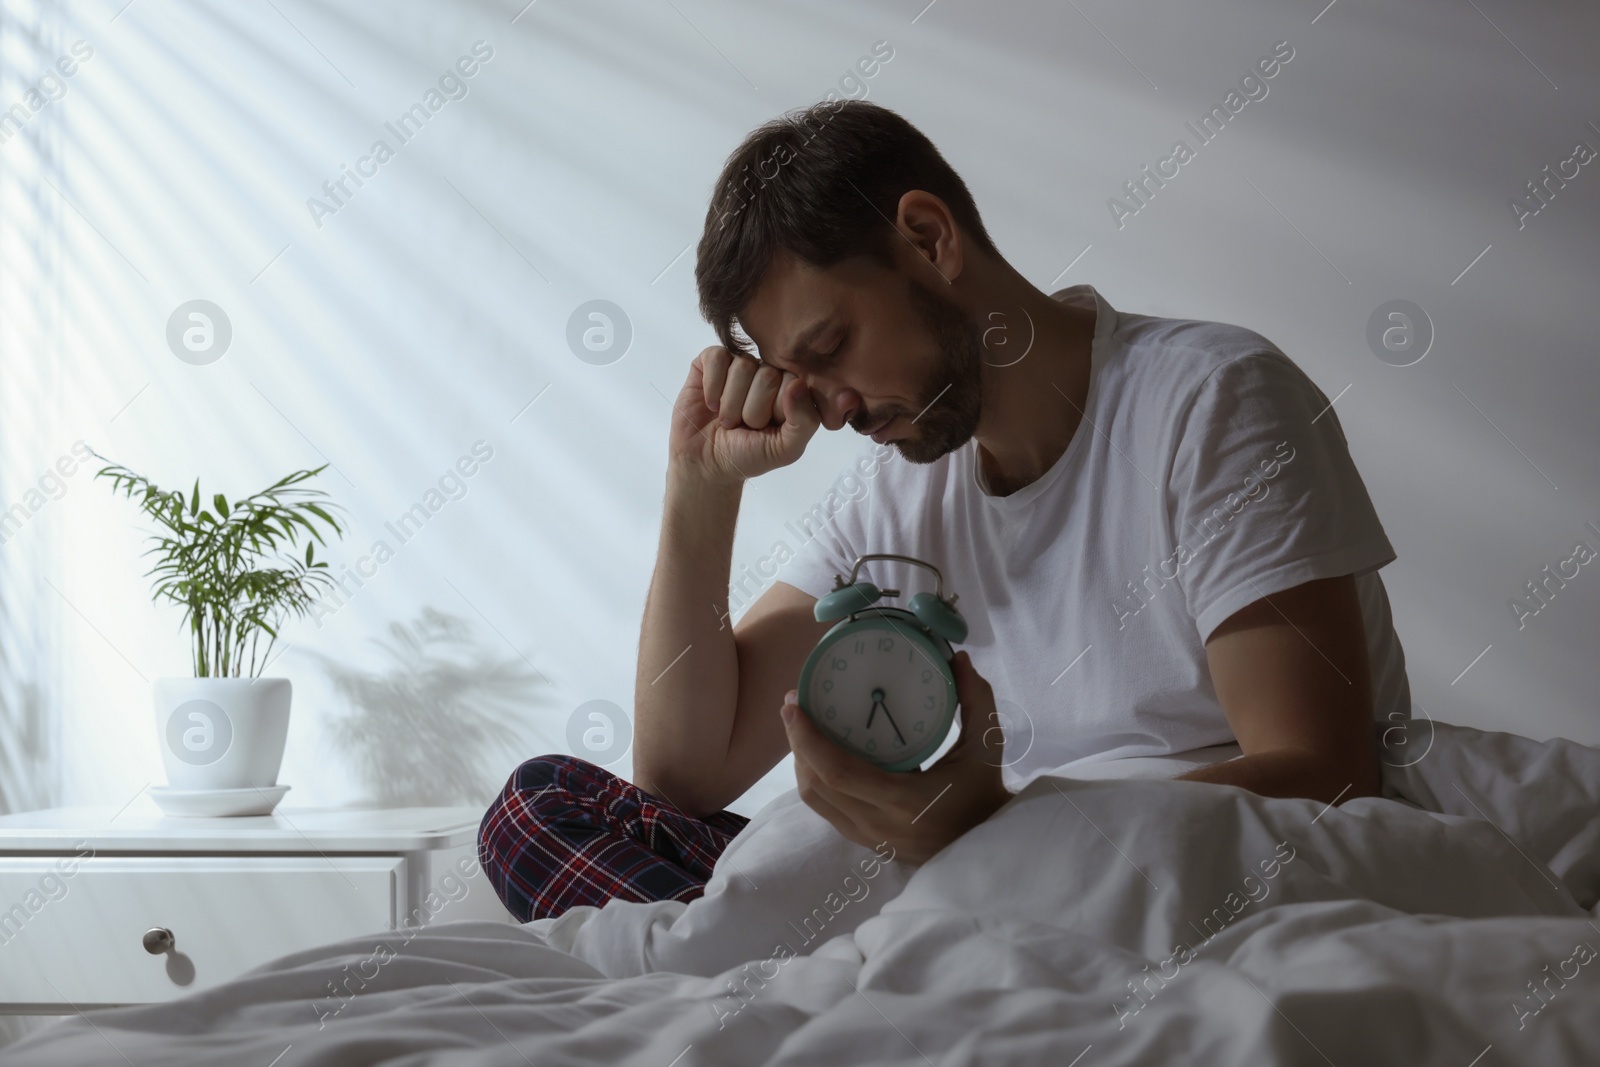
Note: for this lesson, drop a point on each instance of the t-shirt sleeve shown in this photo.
(1263, 495)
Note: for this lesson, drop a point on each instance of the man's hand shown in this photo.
(919, 812)
(737, 418)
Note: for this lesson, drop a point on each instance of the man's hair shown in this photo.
(824, 183)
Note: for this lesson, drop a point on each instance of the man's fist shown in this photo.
(737, 418)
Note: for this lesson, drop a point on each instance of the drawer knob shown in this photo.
(158, 939)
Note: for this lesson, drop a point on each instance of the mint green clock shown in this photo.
(879, 683)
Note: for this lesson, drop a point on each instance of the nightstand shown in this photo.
(101, 908)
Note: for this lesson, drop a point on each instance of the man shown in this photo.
(1158, 537)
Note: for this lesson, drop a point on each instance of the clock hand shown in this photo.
(897, 732)
(878, 698)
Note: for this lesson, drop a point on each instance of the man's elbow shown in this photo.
(677, 795)
(1366, 776)
(1344, 776)
(646, 778)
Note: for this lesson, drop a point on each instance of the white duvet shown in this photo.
(1088, 923)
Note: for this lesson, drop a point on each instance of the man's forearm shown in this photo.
(1293, 773)
(686, 689)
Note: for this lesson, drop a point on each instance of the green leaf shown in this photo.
(226, 574)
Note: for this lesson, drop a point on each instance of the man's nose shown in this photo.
(836, 406)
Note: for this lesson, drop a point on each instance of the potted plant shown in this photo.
(238, 571)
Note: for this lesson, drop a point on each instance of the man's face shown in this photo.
(877, 349)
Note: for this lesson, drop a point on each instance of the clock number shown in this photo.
(919, 726)
(861, 646)
(840, 663)
(872, 744)
(885, 644)
(827, 685)
(927, 702)
(832, 712)
(927, 676)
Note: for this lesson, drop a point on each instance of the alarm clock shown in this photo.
(879, 682)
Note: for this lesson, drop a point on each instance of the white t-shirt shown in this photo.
(1209, 472)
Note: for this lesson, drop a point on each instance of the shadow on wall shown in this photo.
(436, 727)
(29, 762)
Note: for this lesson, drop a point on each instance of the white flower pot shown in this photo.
(222, 733)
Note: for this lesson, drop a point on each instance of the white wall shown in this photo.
(426, 313)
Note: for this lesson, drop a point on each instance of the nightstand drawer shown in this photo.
(78, 938)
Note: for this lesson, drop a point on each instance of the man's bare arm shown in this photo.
(687, 682)
(733, 419)
(1292, 675)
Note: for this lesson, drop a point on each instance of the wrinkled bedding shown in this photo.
(1089, 922)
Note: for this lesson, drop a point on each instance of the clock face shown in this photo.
(882, 688)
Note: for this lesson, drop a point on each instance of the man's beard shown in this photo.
(951, 398)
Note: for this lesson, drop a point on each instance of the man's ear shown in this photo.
(931, 234)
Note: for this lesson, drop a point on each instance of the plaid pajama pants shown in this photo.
(564, 831)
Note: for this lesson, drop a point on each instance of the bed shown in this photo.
(1091, 922)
